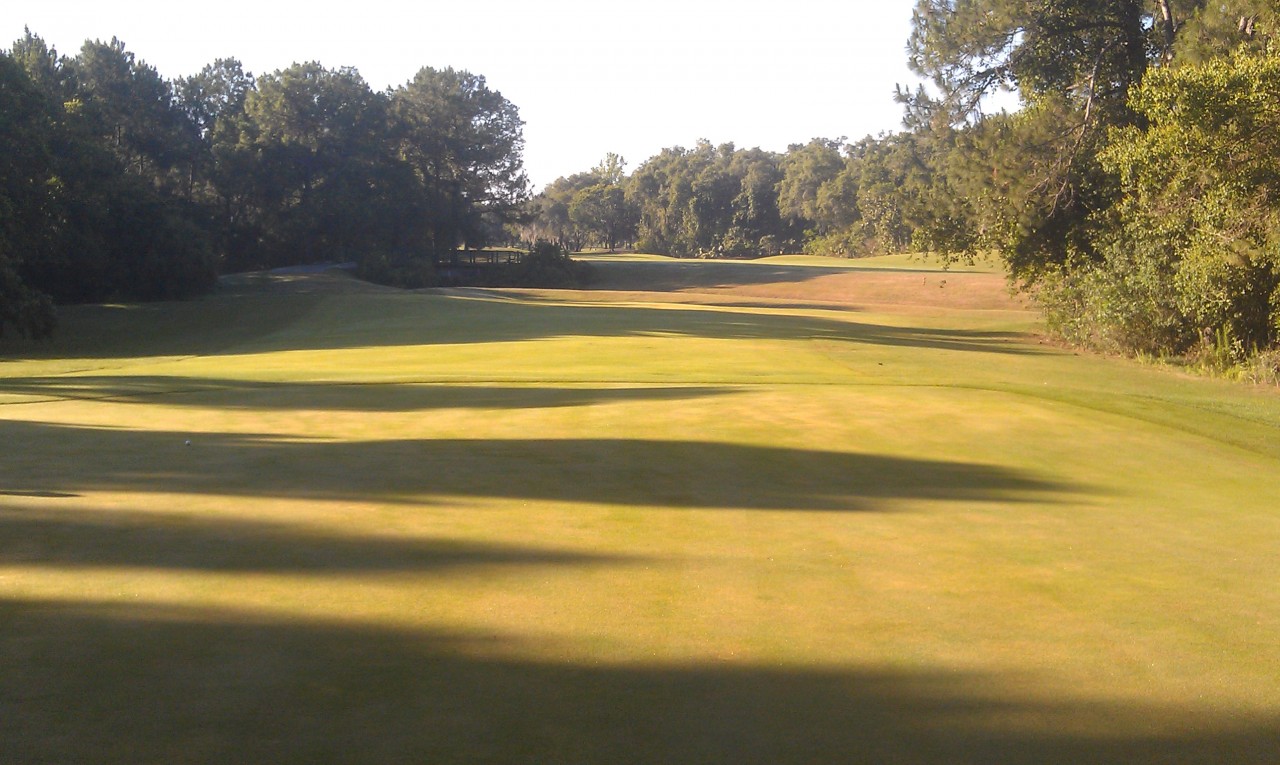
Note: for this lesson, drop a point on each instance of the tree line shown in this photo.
(116, 183)
(826, 197)
(1135, 192)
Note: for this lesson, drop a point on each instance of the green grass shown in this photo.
(591, 528)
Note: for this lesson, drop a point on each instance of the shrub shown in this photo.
(1124, 304)
(546, 265)
(404, 271)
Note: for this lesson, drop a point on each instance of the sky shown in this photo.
(589, 77)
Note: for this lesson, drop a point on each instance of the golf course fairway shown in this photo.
(786, 511)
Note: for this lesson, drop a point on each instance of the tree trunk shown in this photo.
(1168, 28)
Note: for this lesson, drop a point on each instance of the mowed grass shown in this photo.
(813, 512)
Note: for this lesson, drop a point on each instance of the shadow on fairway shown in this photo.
(447, 320)
(682, 474)
(52, 537)
(220, 326)
(205, 326)
(127, 683)
(358, 397)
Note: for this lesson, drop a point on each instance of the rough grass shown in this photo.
(733, 520)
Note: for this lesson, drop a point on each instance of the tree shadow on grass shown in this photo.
(72, 538)
(205, 326)
(680, 474)
(220, 326)
(465, 320)
(358, 397)
(133, 683)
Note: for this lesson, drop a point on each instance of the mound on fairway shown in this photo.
(788, 511)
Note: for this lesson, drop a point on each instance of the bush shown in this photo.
(1122, 305)
(546, 265)
(845, 243)
(404, 271)
(1262, 368)
(1223, 291)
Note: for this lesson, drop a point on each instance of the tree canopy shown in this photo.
(118, 183)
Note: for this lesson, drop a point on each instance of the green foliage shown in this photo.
(26, 198)
(806, 170)
(132, 112)
(1122, 304)
(878, 195)
(1199, 214)
(1139, 198)
(589, 208)
(711, 201)
(845, 243)
(546, 265)
(315, 145)
(405, 272)
(1219, 28)
(29, 312)
(603, 212)
(549, 217)
(93, 191)
(1090, 50)
(1262, 368)
(1032, 187)
(463, 143)
(118, 184)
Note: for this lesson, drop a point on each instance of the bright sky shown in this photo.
(589, 76)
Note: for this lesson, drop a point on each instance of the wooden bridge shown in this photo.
(479, 257)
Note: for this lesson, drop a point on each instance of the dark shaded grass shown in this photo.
(99, 683)
(232, 394)
(73, 538)
(265, 325)
(216, 324)
(61, 459)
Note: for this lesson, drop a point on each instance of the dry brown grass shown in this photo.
(765, 284)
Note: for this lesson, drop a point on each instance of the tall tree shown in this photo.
(216, 94)
(26, 198)
(222, 176)
(464, 143)
(1194, 257)
(116, 141)
(757, 227)
(132, 110)
(318, 149)
(548, 216)
(806, 168)
(1073, 64)
(710, 201)
(603, 211)
(612, 170)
